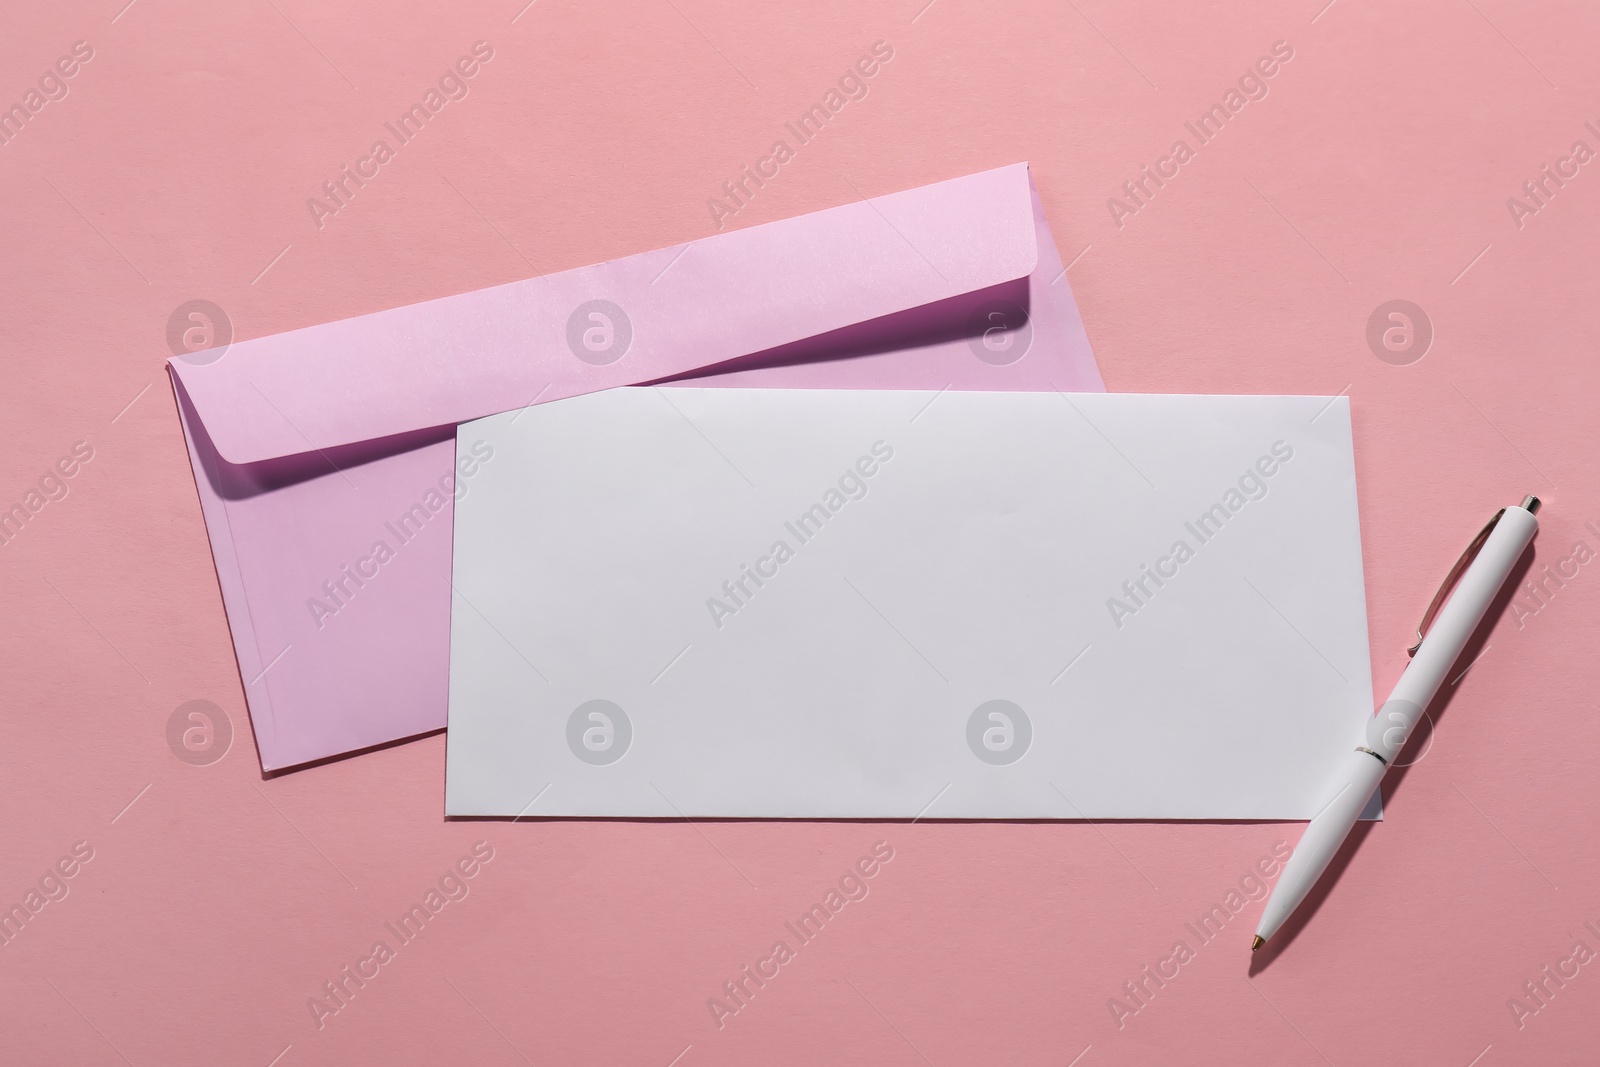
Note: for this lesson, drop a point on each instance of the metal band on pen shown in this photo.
(1373, 754)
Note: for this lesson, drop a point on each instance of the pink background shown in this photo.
(1377, 168)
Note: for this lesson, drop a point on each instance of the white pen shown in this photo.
(1443, 635)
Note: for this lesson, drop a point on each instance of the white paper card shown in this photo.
(884, 604)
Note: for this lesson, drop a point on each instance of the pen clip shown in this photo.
(1450, 581)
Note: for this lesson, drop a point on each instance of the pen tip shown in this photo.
(1257, 943)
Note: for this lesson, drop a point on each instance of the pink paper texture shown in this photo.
(1383, 160)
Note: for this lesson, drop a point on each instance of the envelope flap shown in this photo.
(630, 320)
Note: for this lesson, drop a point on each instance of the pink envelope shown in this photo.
(325, 457)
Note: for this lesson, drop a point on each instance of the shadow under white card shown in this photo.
(891, 604)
